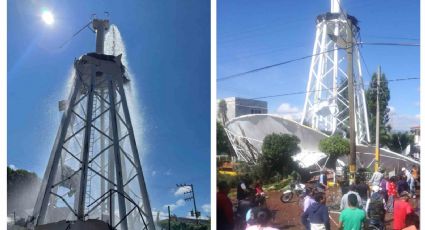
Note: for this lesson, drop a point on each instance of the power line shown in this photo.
(274, 65)
(312, 91)
(309, 56)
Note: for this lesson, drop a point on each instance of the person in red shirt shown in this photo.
(391, 192)
(224, 207)
(402, 208)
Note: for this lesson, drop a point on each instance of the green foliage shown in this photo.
(22, 189)
(276, 159)
(384, 116)
(399, 141)
(334, 146)
(178, 225)
(223, 144)
(19, 177)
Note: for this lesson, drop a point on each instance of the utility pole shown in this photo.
(351, 99)
(191, 196)
(169, 218)
(377, 153)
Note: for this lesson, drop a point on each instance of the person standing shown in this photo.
(261, 219)
(392, 192)
(415, 173)
(376, 177)
(402, 185)
(242, 190)
(402, 208)
(344, 199)
(352, 218)
(375, 206)
(308, 201)
(322, 184)
(383, 186)
(317, 215)
(363, 189)
(224, 207)
(410, 181)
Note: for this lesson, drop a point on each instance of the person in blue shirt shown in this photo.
(317, 214)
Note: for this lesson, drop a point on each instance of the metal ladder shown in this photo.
(89, 198)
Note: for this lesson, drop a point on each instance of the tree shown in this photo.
(223, 144)
(335, 147)
(22, 188)
(384, 116)
(399, 141)
(276, 159)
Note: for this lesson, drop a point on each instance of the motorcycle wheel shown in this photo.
(285, 198)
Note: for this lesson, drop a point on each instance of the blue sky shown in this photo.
(252, 34)
(168, 49)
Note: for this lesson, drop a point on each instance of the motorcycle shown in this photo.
(375, 225)
(295, 188)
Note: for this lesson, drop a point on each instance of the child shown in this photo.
(391, 191)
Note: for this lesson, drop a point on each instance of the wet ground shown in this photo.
(288, 215)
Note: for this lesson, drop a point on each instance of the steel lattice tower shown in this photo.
(94, 170)
(326, 103)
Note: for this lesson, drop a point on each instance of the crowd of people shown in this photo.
(365, 204)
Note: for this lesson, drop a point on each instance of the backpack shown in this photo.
(376, 207)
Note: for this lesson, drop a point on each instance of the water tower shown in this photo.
(94, 178)
(326, 106)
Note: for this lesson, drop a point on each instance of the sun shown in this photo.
(47, 17)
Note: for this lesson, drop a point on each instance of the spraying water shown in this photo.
(114, 45)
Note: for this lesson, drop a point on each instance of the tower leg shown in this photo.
(102, 157)
(142, 184)
(120, 187)
(86, 148)
(49, 176)
(111, 177)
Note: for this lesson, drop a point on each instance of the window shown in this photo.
(255, 111)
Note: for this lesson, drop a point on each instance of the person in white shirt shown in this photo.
(308, 199)
(377, 177)
(410, 181)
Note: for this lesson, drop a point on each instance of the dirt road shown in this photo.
(288, 216)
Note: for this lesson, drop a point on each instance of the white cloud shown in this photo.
(168, 172)
(290, 112)
(178, 204)
(206, 208)
(12, 167)
(402, 122)
(392, 110)
(162, 215)
(181, 190)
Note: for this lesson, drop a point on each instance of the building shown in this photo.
(232, 107)
(415, 149)
(416, 132)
